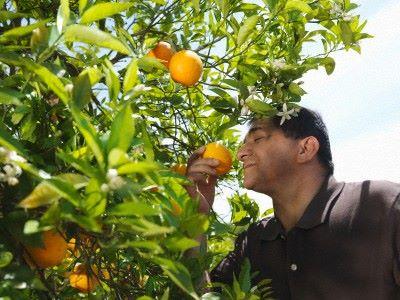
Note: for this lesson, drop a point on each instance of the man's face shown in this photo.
(268, 157)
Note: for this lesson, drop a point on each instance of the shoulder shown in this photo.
(377, 189)
(373, 194)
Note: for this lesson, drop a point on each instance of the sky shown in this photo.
(359, 102)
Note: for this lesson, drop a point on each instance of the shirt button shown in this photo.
(283, 237)
(293, 267)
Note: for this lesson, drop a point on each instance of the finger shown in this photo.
(212, 162)
(196, 154)
(201, 169)
(198, 177)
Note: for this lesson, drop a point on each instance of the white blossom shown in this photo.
(11, 172)
(347, 17)
(336, 9)
(112, 173)
(105, 188)
(141, 88)
(44, 174)
(245, 110)
(12, 181)
(285, 113)
(279, 63)
(12, 156)
(116, 183)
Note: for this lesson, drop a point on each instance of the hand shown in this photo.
(201, 171)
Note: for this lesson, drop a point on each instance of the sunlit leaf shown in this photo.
(93, 36)
(248, 26)
(299, 5)
(178, 273)
(131, 75)
(5, 258)
(102, 10)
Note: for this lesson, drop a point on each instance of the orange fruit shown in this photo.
(180, 169)
(176, 208)
(163, 51)
(82, 280)
(52, 253)
(186, 67)
(220, 152)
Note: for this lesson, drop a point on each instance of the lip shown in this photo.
(245, 166)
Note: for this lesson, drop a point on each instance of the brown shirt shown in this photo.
(345, 246)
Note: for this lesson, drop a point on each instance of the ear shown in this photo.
(308, 149)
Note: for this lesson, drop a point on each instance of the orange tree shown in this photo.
(93, 124)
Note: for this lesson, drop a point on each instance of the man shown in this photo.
(327, 239)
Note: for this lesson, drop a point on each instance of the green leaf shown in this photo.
(148, 64)
(223, 6)
(298, 5)
(131, 75)
(122, 130)
(196, 5)
(81, 92)
(8, 141)
(244, 276)
(134, 209)
(45, 193)
(23, 30)
(5, 258)
(117, 157)
(329, 64)
(103, 10)
(93, 36)
(146, 228)
(52, 81)
(147, 143)
(150, 245)
(94, 74)
(63, 15)
(346, 33)
(180, 243)
(141, 167)
(31, 226)
(112, 80)
(260, 107)
(9, 96)
(296, 89)
(9, 15)
(82, 6)
(246, 29)
(89, 133)
(195, 225)
(178, 274)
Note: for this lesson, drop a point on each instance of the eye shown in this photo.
(259, 138)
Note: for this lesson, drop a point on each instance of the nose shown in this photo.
(243, 152)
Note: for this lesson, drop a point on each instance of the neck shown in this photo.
(291, 199)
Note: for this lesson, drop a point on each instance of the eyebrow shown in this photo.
(252, 130)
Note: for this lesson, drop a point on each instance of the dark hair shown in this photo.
(308, 123)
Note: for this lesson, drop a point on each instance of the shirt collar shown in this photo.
(315, 213)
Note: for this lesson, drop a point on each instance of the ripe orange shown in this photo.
(180, 169)
(220, 152)
(186, 67)
(176, 208)
(52, 253)
(163, 51)
(83, 280)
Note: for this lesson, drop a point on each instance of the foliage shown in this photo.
(91, 127)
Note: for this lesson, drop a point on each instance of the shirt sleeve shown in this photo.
(396, 260)
(232, 263)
